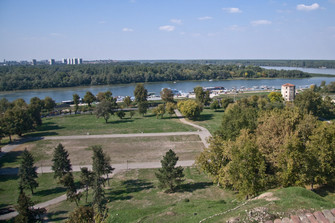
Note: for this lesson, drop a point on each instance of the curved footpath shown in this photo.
(203, 133)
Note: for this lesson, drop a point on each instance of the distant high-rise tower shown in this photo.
(288, 92)
(80, 60)
(64, 61)
(33, 62)
(52, 61)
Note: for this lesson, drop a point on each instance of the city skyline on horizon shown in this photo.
(174, 30)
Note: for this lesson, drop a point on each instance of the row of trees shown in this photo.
(264, 143)
(18, 117)
(35, 77)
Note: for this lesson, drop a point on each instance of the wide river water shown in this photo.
(61, 94)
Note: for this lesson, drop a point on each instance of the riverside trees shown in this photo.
(261, 145)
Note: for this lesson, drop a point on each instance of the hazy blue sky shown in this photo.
(169, 29)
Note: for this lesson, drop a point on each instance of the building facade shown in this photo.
(288, 92)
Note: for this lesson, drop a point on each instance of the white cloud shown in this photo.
(205, 18)
(127, 29)
(167, 28)
(307, 8)
(236, 28)
(176, 21)
(260, 22)
(232, 10)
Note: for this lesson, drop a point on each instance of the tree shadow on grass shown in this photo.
(325, 190)
(120, 121)
(10, 157)
(51, 219)
(130, 186)
(191, 187)
(46, 129)
(50, 191)
(205, 117)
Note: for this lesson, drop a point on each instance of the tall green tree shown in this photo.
(24, 208)
(89, 98)
(127, 101)
(104, 109)
(48, 103)
(140, 93)
(170, 176)
(159, 110)
(71, 191)
(27, 172)
(170, 107)
(99, 201)
(190, 108)
(275, 97)
(61, 162)
(101, 162)
(76, 99)
(86, 179)
(142, 107)
(82, 214)
(167, 95)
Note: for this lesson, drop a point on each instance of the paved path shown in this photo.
(203, 133)
(118, 168)
(324, 216)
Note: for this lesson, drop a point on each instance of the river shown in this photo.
(61, 94)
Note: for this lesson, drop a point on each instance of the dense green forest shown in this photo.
(35, 77)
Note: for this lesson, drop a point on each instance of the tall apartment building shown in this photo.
(288, 92)
(33, 62)
(52, 61)
(73, 61)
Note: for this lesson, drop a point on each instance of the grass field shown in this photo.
(83, 124)
(47, 189)
(134, 197)
(210, 119)
(121, 150)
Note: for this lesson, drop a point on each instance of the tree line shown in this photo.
(37, 77)
(264, 143)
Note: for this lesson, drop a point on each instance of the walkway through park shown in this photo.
(203, 133)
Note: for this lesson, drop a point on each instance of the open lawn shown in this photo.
(133, 196)
(89, 124)
(121, 150)
(47, 189)
(210, 119)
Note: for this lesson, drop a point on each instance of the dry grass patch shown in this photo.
(121, 150)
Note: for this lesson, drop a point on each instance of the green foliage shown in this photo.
(170, 107)
(275, 97)
(48, 103)
(104, 109)
(215, 105)
(86, 179)
(170, 176)
(140, 93)
(99, 201)
(82, 214)
(226, 101)
(24, 208)
(76, 99)
(159, 111)
(71, 191)
(167, 95)
(127, 101)
(190, 108)
(120, 114)
(101, 162)
(312, 102)
(30, 77)
(131, 113)
(89, 98)
(27, 172)
(142, 107)
(61, 162)
(104, 96)
(202, 96)
(236, 117)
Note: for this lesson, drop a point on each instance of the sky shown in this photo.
(167, 29)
